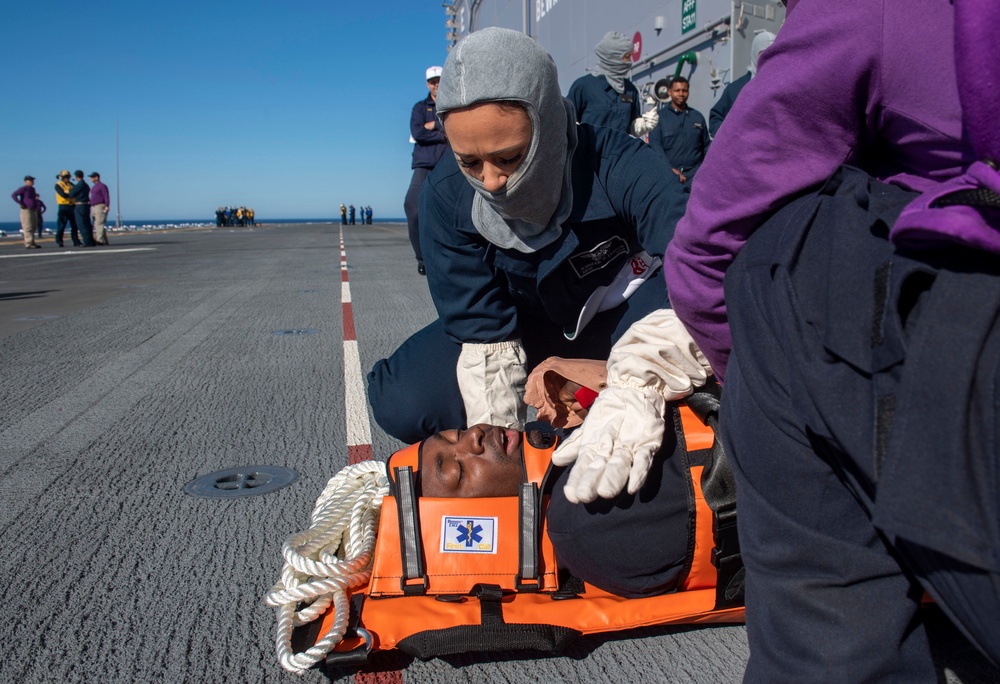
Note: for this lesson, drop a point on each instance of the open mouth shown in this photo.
(508, 440)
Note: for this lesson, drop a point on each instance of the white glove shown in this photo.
(654, 362)
(491, 379)
(645, 123)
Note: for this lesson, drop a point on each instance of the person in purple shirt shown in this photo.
(100, 203)
(860, 406)
(27, 198)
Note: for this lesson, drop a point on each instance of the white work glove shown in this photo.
(645, 123)
(654, 362)
(491, 379)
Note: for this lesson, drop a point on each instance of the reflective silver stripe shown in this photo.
(529, 519)
(409, 525)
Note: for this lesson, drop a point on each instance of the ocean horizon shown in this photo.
(11, 227)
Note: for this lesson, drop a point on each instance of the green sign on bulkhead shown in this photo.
(688, 11)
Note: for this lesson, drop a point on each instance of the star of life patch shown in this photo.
(468, 534)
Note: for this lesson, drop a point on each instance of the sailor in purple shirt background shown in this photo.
(100, 203)
(860, 406)
(27, 198)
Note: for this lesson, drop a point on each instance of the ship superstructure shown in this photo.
(707, 41)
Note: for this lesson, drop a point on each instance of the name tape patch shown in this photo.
(599, 257)
(466, 534)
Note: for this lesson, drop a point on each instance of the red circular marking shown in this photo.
(636, 46)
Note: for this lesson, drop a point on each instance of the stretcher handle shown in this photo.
(356, 656)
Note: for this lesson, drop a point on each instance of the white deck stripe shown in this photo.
(355, 400)
(358, 428)
(88, 252)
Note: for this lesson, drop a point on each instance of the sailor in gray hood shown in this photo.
(539, 236)
(526, 211)
(606, 97)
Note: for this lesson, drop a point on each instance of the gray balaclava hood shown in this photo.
(609, 59)
(494, 65)
(761, 42)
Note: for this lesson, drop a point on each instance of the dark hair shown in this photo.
(677, 79)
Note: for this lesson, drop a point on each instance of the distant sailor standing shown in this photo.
(721, 108)
(27, 198)
(81, 202)
(683, 133)
(100, 203)
(605, 97)
(41, 217)
(66, 211)
(429, 145)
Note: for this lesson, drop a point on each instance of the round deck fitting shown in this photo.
(243, 481)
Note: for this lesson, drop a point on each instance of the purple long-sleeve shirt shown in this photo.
(869, 83)
(99, 194)
(26, 196)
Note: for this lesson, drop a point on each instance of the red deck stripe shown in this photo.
(359, 453)
(349, 334)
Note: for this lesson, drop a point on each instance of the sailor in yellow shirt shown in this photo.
(66, 210)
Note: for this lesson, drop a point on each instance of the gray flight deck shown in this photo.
(132, 369)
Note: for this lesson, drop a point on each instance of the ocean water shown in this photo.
(14, 227)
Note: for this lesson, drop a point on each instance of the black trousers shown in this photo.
(66, 213)
(83, 222)
(411, 207)
(860, 415)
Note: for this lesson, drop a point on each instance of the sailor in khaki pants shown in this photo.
(100, 203)
(27, 198)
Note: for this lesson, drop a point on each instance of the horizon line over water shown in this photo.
(10, 227)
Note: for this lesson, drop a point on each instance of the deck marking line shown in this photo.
(359, 434)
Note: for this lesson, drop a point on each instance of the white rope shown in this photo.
(329, 559)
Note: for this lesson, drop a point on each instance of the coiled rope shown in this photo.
(329, 559)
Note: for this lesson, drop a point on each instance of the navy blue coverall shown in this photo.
(598, 104)
(725, 103)
(624, 201)
(683, 137)
(428, 149)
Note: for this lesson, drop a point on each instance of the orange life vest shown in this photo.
(460, 575)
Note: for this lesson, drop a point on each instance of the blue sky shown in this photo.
(291, 108)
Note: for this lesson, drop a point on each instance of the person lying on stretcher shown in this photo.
(621, 518)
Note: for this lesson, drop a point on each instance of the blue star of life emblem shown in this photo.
(468, 534)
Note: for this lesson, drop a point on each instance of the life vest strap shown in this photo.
(410, 541)
(528, 577)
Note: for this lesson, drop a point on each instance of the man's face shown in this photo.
(483, 461)
(65, 178)
(29, 182)
(679, 95)
(432, 85)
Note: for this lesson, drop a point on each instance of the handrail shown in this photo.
(711, 26)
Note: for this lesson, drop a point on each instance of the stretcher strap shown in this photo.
(719, 488)
(492, 634)
(528, 575)
(410, 542)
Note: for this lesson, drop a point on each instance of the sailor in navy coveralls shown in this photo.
(567, 284)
